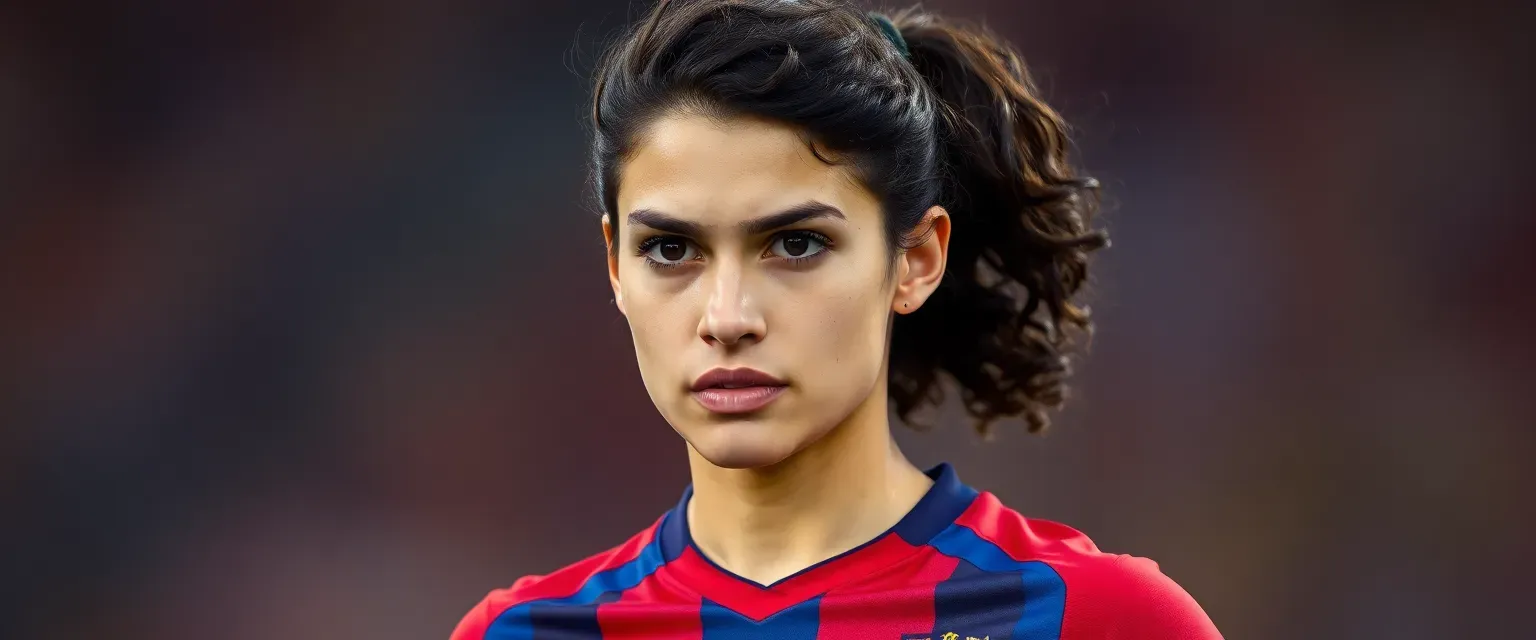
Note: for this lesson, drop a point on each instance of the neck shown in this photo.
(768, 523)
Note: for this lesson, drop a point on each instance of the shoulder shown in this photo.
(1106, 595)
(566, 582)
(1119, 596)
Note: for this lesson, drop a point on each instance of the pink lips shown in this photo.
(736, 390)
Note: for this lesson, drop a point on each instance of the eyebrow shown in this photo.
(799, 213)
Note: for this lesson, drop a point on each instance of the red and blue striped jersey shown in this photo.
(959, 566)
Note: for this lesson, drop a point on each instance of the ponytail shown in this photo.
(1002, 324)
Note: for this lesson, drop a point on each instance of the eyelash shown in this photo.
(644, 250)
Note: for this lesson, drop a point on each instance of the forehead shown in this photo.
(715, 170)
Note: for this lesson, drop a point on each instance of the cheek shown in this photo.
(843, 327)
(663, 323)
(652, 325)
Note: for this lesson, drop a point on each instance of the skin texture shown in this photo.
(816, 471)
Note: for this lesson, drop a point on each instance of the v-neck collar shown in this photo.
(937, 509)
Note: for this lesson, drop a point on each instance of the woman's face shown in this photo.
(754, 278)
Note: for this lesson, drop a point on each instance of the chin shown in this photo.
(743, 445)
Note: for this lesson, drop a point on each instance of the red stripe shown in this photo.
(1022, 538)
(757, 602)
(656, 609)
(887, 604)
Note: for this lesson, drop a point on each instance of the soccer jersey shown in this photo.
(959, 566)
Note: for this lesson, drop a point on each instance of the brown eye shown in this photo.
(671, 251)
(798, 246)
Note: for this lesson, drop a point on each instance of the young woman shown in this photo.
(814, 215)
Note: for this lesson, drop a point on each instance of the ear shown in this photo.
(613, 263)
(920, 269)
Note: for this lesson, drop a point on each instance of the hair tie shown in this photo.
(891, 33)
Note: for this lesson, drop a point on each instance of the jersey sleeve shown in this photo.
(562, 583)
(1124, 598)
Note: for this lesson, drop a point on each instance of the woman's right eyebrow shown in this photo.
(665, 223)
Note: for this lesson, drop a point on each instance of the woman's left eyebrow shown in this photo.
(798, 213)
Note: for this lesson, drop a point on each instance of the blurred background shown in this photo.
(304, 331)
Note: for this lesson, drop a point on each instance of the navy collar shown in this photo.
(937, 509)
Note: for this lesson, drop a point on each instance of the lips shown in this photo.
(736, 391)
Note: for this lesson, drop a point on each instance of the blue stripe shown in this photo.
(1045, 593)
(800, 622)
(574, 614)
(973, 603)
(554, 621)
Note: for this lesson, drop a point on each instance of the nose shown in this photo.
(731, 315)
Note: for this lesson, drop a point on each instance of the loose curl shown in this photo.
(955, 120)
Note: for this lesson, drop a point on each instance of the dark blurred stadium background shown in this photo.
(304, 331)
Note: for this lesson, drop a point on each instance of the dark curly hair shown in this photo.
(953, 120)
